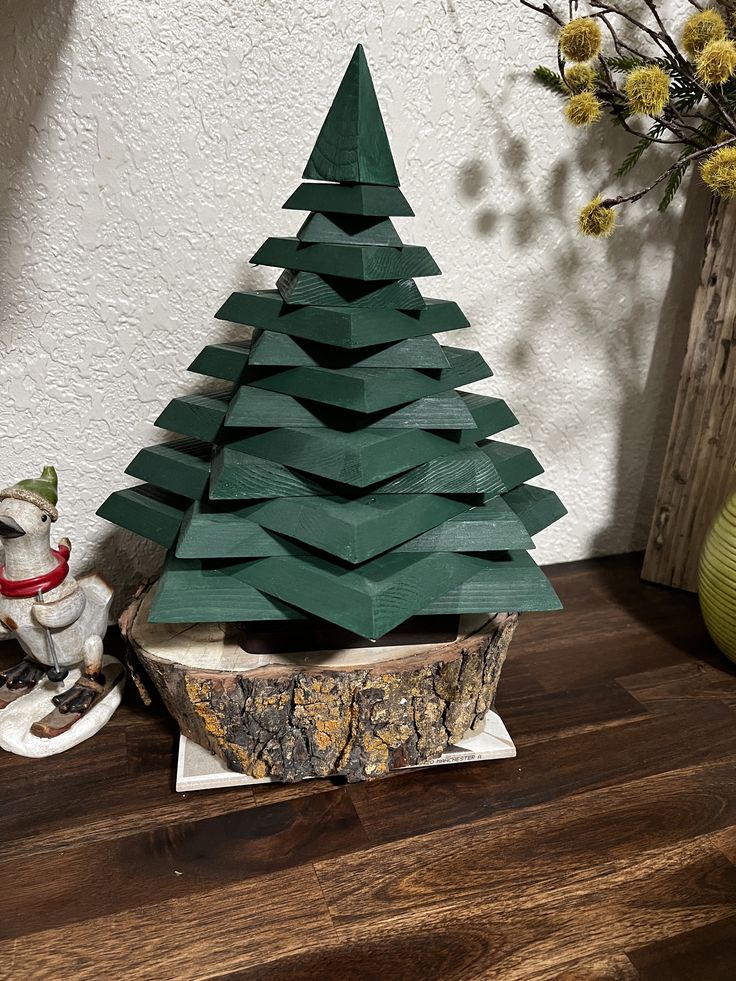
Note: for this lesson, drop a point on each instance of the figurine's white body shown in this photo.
(75, 611)
(65, 689)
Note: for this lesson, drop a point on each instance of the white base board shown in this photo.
(198, 769)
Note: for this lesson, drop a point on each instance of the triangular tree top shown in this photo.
(352, 145)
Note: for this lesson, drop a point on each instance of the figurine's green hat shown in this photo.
(41, 491)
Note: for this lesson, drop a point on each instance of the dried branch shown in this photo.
(544, 9)
(683, 161)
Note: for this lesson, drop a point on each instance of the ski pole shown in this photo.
(57, 673)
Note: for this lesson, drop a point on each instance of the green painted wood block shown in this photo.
(509, 582)
(491, 415)
(355, 530)
(373, 389)
(352, 144)
(359, 458)
(199, 416)
(182, 467)
(260, 408)
(369, 600)
(367, 263)
(212, 530)
(536, 507)
(369, 200)
(355, 327)
(147, 511)
(492, 527)
(490, 469)
(311, 289)
(192, 591)
(270, 349)
(226, 361)
(241, 476)
(515, 464)
(340, 229)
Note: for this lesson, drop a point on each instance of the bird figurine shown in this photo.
(59, 621)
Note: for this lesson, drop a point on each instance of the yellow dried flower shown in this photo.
(596, 220)
(719, 172)
(647, 90)
(701, 29)
(583, 109)
(580, 40)
(717, 63)
(580, 78)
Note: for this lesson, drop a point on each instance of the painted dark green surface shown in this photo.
(226, 361)
(347, 327)
(359, 458)
(355, 530)
(239, 476)
(190, 591)
(147, 511)
(348, 230)
(352, 144)
(182, 467)
(490, 469)
(507, 582)
(350, 199)
(257, 407)
(216, 531)
(491, 415)
(199, 416)
(311, 289)
(537, 507)
(367, 263)
(491, 527)
(270, 349)
(369, 600)
(372, 389)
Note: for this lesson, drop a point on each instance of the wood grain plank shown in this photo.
(612, 833)
(348, 327)
(376, 389)
(361, 262)
(216, 931)
(176, 861)
(350, 199)
(708, 952)
(348, 230)
(558, 768)
(280, 350)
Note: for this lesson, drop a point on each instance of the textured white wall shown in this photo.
(146, 149)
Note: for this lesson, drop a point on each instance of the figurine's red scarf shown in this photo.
(25, 588)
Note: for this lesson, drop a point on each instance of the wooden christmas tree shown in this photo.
(339, 475)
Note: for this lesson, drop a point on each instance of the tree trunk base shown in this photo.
(356, 712)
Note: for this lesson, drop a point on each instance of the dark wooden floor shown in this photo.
(606, 850)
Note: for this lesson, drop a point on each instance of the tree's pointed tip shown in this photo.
(352, 145)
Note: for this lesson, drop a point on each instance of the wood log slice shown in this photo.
(357, 712)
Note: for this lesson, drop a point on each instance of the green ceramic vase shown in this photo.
(717, 579)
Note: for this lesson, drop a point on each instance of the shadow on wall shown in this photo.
(117, 548)
(32, 37)
(644, 407)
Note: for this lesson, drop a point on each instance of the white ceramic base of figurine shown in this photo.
(16, 720)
